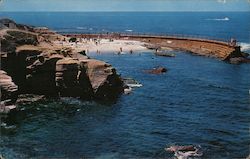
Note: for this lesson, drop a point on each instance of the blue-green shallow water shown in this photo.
(199, 101)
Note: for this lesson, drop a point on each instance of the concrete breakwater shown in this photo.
(222, 50)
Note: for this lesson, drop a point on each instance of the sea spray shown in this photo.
(245, 46)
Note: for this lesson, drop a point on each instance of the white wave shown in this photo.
(129, 30)
(245, 46)
(81, 28)
(220, 19)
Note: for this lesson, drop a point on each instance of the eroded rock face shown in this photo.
(8, 87)
(8, 93)
(15, 38)
(41, 76)
(67, 82)
(87, 78)
(10, 24)
(103, 78)
(43, 68)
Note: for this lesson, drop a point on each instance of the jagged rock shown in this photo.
(14, 38)
(7, 23)
(41, 76)
(8, 93)
(24, 99)
(42, 68)
(10, 24)
(8, 87)
(106, 84)
(67, 83)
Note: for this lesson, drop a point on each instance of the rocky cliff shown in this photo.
(8, 93)
(38, 66)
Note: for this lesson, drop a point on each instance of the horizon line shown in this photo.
(126, 11)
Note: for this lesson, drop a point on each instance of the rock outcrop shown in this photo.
(40, 67)
(239, 60)
(40, 77)
(157, 70)
(103, 78)
(10, 24)
(8, 93)
(67, 81)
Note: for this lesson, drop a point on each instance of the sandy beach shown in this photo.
(104, 46)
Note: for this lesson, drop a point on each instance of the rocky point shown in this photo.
(32, 64)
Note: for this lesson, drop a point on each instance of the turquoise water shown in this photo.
(200, 101)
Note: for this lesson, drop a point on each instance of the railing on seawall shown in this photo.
(220, 41)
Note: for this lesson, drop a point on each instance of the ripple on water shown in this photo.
(190, 104)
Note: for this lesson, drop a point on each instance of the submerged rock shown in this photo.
(185, 152)
(239, 60)
(164, 54)
(157, 70)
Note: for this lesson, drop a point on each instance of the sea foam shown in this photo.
(220, 19)
(129, 30)
(81, 28)
(245, 46)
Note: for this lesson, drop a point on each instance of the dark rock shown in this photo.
(67, 83)
(164, 54)
(244, 54)
(106, 84)
(25, 99)
(158, 70)
(10, 24)
(15, 38)
(41, 76)
(239, 60)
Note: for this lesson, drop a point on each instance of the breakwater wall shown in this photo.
(218, 48)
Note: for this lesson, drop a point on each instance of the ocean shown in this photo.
(200, 101)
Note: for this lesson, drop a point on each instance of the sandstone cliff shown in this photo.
(8, 92)
(38, 66)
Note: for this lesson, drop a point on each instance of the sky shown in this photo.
(124, 5)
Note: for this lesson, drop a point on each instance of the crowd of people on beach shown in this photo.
(78, 42)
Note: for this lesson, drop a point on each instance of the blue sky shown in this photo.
(125, 5)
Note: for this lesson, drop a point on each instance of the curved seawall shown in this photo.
(205, 47)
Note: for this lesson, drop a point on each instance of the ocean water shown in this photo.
(200, 101)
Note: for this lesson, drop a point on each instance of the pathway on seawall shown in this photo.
(200, 46)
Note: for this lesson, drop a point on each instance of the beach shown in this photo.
(104, 46)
